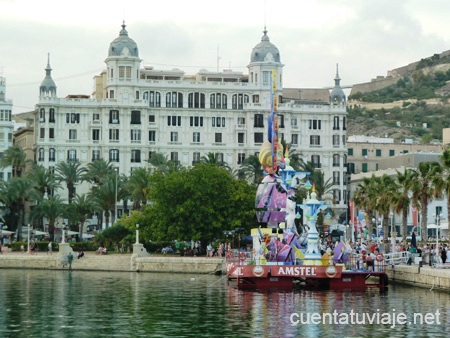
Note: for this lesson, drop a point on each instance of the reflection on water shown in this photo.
(89, 304)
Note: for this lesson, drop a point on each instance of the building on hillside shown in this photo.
(368, 153)
(136, 111)
(6, 127)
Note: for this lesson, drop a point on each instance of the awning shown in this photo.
(88, 236)
(72, 233)
(6, 233)
(442, 226)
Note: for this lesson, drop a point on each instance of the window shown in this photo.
(350, 151)
(281, 120)
(315, 124)
(218, 101)
(241, 121)
(336, 160)
(391, 152)
(174, 136)
(42, 115)
(195, 158)
(51, 133)
(238, 100)
(364, 152)
(51, 154)
(259, 137)
(114, 155)
(72, 118)
(152, 135)
(51, 116)
(42, 133)
(314, 140)
(135, 117)
(135, 156)
(174, 156)
(111, 94)
(241, 138)
(72, 134)
(294, 139)
(259, 121)
(255, 98)
(71, 155)
(241, 158)
(218, 121)
(378, 152)
(114, 135)
(315, 160)
(41, 154)
(95, 117)
(266, 78)
(336, 178)
(336, 139)
(174, 121)
(174, 100)
(218, 138)
(294, 123)
(196, 121)
(196, 100)
(114, 116)
(336, 123)
(154, 98)
(344, 124)
(124, 72)
(135, 136)
(95, 155)
(151, 119)
(96, 134)
(364, 167)
(196, 137)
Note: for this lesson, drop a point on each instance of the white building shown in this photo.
(6, 127)
(136, 111)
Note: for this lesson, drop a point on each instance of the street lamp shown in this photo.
(438, 224)
(115, 201)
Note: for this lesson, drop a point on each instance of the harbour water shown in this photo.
(39, 303)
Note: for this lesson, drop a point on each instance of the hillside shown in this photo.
(412, 102)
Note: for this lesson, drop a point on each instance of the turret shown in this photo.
(48, 86)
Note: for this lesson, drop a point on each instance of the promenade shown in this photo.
(113, 262)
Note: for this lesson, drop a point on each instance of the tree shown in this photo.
(251, 170)
(15, 156)
(138, 185)
(50, 208)
(445, 160)
(197, 204)
(44, 180)
(82, 207)
(14, 194)
(213, 159)
(425, 185)
(159, 161)
(401, 198)
(71, 173)
(98, 171)
(105, 196)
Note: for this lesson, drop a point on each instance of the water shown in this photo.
(36, 303)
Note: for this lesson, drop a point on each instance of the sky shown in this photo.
(365, 37)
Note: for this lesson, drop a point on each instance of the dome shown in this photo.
(265, 50)
(123, 45)
(48, 85)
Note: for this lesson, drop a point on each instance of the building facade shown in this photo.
(6, 127)
(136, 111)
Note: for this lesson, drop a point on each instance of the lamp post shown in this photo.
(28, 238)
(438, 224)
(137, 233)
(115, 200)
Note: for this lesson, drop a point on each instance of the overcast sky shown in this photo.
(366, 37)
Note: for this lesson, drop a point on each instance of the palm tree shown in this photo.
(71, 173)
(159, 161)
(445, 160)
(426, 185)
(97, 171)
(401, 198)
(365, 197)
(384, 193)
(105, 196)
(213, 159)
(251, 170)
(51, 208)
(14, 194)
(44, 180)
(83, 206)
(15, 156)
(138, 185)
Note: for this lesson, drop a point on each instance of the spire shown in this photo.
(337, 79)
(265, 36)
(124, 31)
(48, 70)
(48, 86)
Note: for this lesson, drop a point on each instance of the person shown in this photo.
(70, 260)
(209, 250)
(1, 246)
(22, 249)
(443, 255)
(80, 254)
(50, 248)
